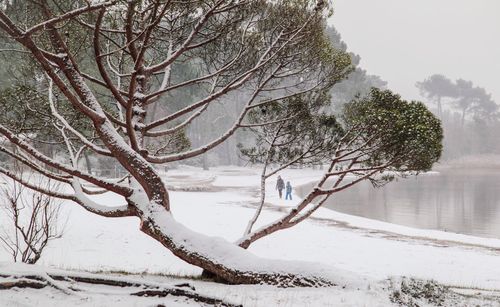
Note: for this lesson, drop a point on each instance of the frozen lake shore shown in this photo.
(219, 202)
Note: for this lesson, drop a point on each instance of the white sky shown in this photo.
(405, 41)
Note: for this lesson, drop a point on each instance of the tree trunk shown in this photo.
(248, 230)
(440, 110)
(87, 162)
(225, 260)
(204, 159)
(151, 201)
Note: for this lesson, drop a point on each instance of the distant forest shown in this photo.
(469, 115)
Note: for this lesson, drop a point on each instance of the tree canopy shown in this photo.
(406, 133)
(469, 115)
(100, 68)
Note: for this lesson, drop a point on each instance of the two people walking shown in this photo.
(280, 185)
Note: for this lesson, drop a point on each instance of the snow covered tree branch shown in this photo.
(379, 133)
(101, 70)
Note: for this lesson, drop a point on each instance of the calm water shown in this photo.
(465, 202)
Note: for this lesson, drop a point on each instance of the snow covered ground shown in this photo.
(219, 202)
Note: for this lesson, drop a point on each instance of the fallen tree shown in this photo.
(75, 283)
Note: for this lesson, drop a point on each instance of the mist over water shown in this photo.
(464, 201)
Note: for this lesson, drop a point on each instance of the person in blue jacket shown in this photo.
(288, 190)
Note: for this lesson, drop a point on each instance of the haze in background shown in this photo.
(407, 41)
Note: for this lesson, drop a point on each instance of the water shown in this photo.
(466, 201)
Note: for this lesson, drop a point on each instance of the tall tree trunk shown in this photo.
(87, 162)
(204, 159)
(462, 122)
(440, 109)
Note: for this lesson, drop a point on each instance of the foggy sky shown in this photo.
(406, 41)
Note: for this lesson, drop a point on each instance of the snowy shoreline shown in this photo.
(371, 224)
(368, 224)
(223, 199)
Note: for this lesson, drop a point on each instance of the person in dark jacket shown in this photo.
(288, 190)
(280, 185)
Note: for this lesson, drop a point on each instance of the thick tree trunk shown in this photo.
(225, 260)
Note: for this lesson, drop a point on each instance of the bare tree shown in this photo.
(32, 221)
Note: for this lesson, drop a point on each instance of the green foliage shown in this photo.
(465, 96)
(25, 110)
(469, 115)
(386, 130)
(19, 109)
(404, 134)
(300, 133)
(173, 143)
(475, 99)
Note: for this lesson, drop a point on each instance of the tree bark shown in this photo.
(226, 261)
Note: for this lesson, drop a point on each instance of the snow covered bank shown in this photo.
(222, 208)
